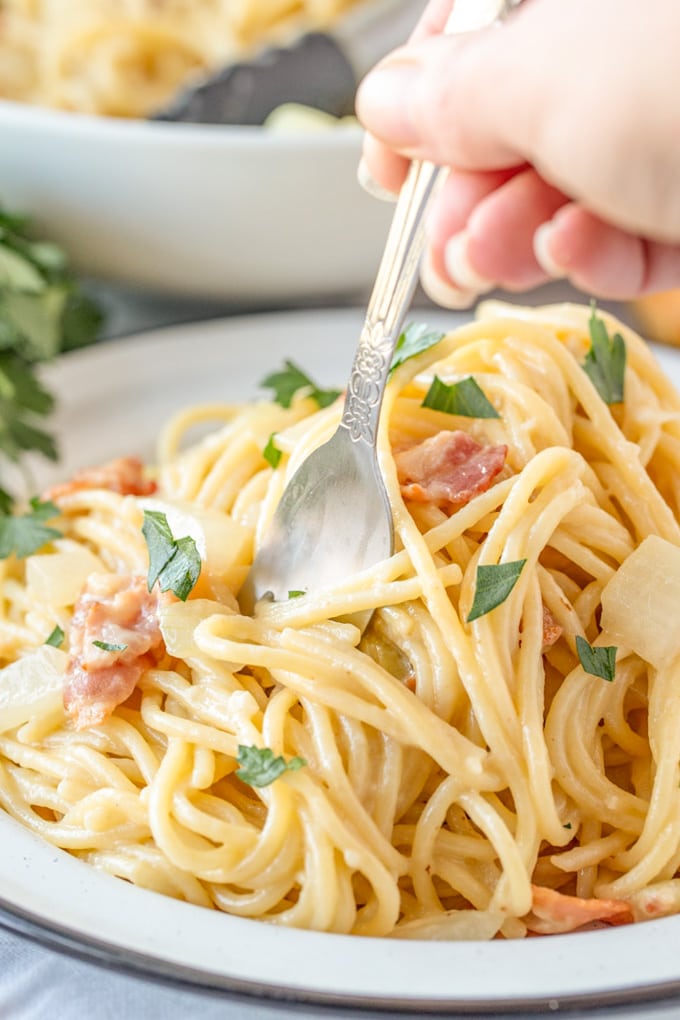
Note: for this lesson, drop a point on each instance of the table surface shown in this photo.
(37, 983)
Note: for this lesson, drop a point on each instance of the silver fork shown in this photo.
(334, 518)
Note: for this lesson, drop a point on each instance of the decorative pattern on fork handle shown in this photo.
(364, 393)
(389, 302)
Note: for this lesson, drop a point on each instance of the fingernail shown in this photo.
(458, 266)
(370, 185)
(543, 254)
(383, 101)
(441, 292)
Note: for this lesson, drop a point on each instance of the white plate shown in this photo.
(114, 399)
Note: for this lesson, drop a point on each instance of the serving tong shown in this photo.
(334, 518)
(317, 69)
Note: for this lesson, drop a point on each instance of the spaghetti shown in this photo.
(483, 759)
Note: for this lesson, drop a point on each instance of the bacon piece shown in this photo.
(448, 469)
(552, 630)
(553, 913)
(124, 475)
(117, 610)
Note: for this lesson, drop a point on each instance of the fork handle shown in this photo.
(398, 271)
(389, 302)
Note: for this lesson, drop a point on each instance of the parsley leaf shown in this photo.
(271, 452)
(106, 646)
(494, 584)
(259, 766)
(465, 398)
(598, 661)
(296, 593)
(291, 380)
(416, 338)
(605, 362)
(56, 637)
(181, 571)
(23, 534)
(174, 563)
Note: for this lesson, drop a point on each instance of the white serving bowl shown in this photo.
(232, 213)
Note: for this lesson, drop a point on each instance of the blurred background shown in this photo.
(197, 158)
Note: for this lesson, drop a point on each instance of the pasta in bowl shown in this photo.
(129, 58)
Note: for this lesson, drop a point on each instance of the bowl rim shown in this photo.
(29, 119)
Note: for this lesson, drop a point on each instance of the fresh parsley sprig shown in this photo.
(291, 380)
(42, 308)
(260, 766)
(42, 312)
(174, 563)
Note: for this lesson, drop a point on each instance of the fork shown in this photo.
(334, 518)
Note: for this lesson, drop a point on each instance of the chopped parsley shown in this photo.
(106, 646)
(465, 398)
(494, 584)
(271, 452)
(56, 637)
(295, 593)
(174, 563)
(605, 362)
(23, 534)
(416, 338)
(291, 380)
(260, 767)
(598, 661)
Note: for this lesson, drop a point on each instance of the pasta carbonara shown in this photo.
(128, 58)
(494, 754)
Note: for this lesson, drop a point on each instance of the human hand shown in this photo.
(563, 126)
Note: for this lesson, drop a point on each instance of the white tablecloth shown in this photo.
(41, 984)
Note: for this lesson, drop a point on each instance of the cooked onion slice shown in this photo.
(31, 686)
(641, 603)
